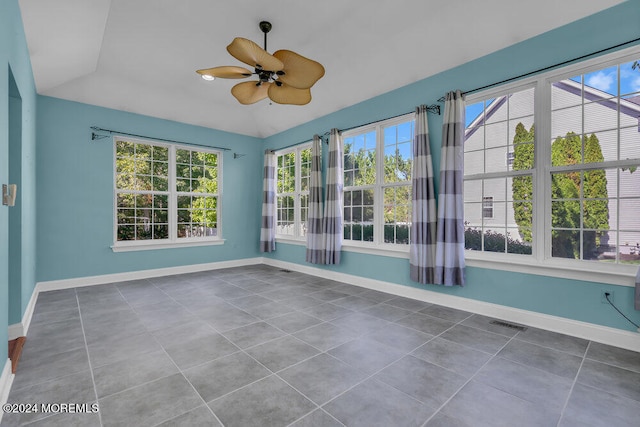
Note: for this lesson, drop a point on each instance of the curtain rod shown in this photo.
(434, 108)
(546, 68)
(95, 136)
(322, 138)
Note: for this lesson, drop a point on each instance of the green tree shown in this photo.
(398, 169)
(565, 191)
(397, 203)
(360, 170)
(359, 166)
(286, 173)
(566, 211)
(141, 167)
(522, 186)
(204, 179)
(596, 205)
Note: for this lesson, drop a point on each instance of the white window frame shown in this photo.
(541, 262)
(378, 245)
(297, 194)
(173, 241)
(508, 171)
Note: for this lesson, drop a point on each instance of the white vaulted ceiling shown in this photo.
(141, 55)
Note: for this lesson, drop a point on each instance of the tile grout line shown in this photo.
(309, 414)
(493, 357)
(221, 333)
(172, 361)
(468, 381)
(391, 363)
(379, 370)
(86, 347)
(275, 373)
(551, 348)
(272, 374)
(575, 381)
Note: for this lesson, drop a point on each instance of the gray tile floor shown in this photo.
(256, 346)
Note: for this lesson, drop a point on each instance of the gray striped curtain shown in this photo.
(268, 226)
(315, 251)
(450, 242)
(422, 249)
(332, 221)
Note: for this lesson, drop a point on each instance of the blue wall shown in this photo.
(14, 56)
(73, 231)
(15, 213)
(560, 297)
(75, 192)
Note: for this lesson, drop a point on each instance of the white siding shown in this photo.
(486, 150)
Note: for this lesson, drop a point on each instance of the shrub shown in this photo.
(493, 242)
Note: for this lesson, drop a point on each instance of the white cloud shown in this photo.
(601, 80)
(635, 84)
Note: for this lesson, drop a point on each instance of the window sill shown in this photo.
(613, 274)
(402, 251)
(292, 240)
(154, 246)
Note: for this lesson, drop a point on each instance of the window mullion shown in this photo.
(296, 198)
(541, 173)
(378, 236)
(173, 196)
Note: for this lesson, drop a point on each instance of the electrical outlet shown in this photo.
(603, 298)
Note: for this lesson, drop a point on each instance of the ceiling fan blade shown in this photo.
(250, 53)
(226, 72)
(249, 93)
(299, 72)
(289, 95)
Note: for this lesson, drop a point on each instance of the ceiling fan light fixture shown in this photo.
(284, 77)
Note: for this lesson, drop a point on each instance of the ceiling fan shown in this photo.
(285, 77)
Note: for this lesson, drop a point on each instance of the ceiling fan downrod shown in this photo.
(266, 75)
(265, 27)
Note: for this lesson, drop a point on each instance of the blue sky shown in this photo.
(605, 80)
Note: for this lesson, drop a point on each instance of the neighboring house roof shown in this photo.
(485, 115)
(634, 99)
(628, 106)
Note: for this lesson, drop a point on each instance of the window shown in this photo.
(293, 169)
(165, 194)
(497, 195)
(571, 185)
(377, 182)
(594, 152)
(487, 207)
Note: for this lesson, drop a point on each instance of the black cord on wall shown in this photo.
(606, 295)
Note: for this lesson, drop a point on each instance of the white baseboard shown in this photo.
(28, 312)
(6, 379)
(16, 330)
(53, 285)
(602, 334)
(21, 329)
